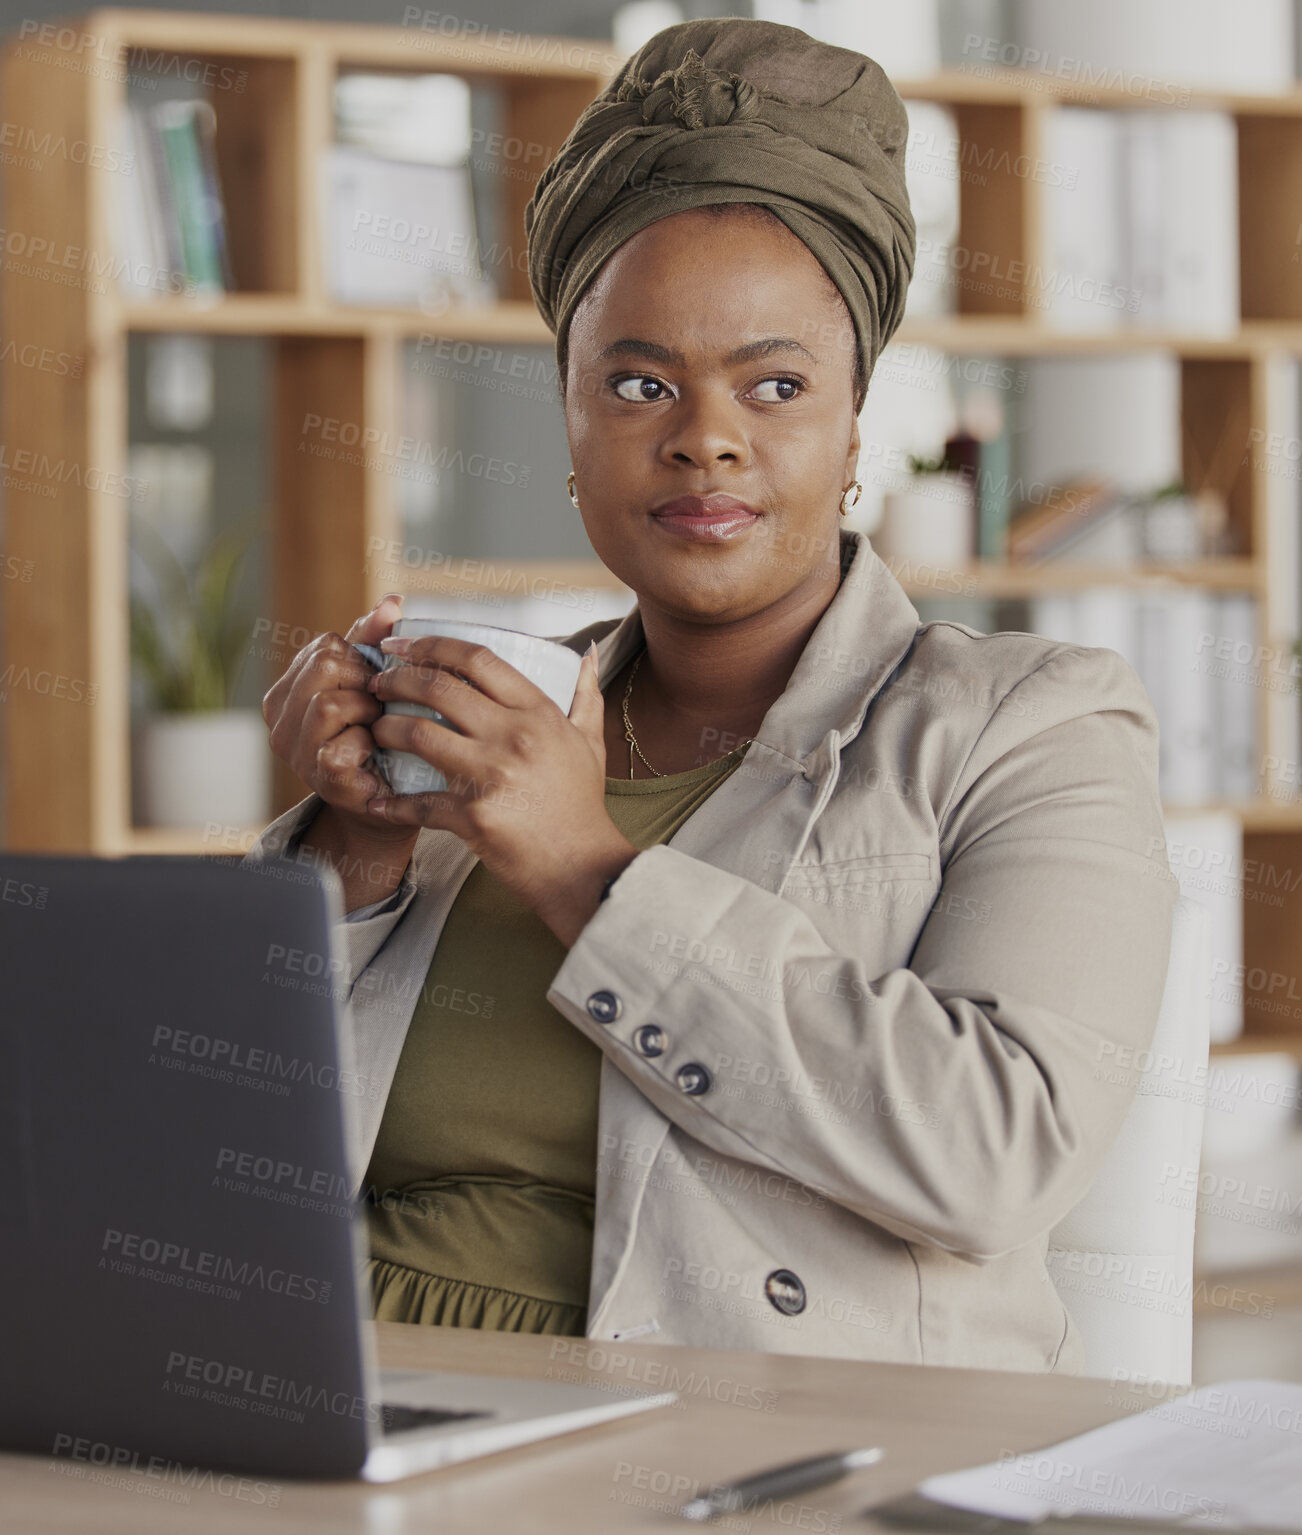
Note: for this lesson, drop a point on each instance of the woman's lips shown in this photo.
(706, 527)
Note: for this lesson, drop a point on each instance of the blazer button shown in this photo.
(605, 1006)
(694, 1079)
(650, 1039)
(785, 1292)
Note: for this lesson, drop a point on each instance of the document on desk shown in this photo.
(1227, 1456)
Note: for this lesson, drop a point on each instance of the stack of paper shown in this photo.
(396, 194)
(1158, 49)
(399, 233)
(1141, 221)
(1282, 477)
(405, 117)
(1175, 639)
(903, 39)
(1083, 285)
(931, 171)
(1223, 1455)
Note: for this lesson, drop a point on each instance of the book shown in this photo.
(903, 39)
(1141, 226)
(1206, 710)
(1082, 286)
(1281, 771)
(167, 214)
(1158, 49)
(135, 213)
(1037, 528)
(1141, 188)
(994, 504)
(397, 231)
(1200, 222)
(186, 131)
(1188, 752)
(1232, 662)
(931, 172)
(1112, 536)
(1205, 852)
(424, 118)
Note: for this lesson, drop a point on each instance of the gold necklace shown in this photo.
(632, 739)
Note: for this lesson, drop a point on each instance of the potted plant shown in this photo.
(1180, 524)
(197, 760)
(932, 521)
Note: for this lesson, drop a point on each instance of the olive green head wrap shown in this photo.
(731, 110)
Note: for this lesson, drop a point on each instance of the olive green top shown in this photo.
(482, 1181)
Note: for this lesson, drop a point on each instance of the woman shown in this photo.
(759, 1002)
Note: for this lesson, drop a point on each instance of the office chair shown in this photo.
(1122, 1257)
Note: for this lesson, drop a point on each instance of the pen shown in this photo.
(797, 1476)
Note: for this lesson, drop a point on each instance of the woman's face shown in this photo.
(657, 407)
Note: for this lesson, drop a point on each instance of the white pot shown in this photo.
(933, 523)
(210, 766)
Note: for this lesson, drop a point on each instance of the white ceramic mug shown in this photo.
(553, 668)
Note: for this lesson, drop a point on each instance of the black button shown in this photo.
(785, 1292)
(694, 1079)
(605, 1006)
(650, 1039)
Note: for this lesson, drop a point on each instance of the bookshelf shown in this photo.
(67, 764)
(67, 761)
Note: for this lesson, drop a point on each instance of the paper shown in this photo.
(1220, 1456)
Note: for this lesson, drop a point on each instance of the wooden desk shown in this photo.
(736, 1413)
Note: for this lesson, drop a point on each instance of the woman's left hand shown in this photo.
(526, 785)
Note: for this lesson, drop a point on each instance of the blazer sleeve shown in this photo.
(983, 1105)
(362, 932)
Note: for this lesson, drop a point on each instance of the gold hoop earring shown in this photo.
(858, 491)
(569, 485)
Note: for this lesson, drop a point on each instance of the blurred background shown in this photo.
(267, 351)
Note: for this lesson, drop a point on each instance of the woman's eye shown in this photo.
(643, 385)
(780, 383)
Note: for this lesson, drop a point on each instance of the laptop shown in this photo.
(184, 1271)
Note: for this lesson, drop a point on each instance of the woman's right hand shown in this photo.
(319, 716)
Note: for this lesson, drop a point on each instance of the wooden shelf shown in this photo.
(1261, 1044)
(185, 840)
(981, 578)
(458, 576)
(517, 321)
(993, 579)
(1026, 336)
(274, 314)
(477, 51)
(987, 84)
(327, 362)
(1281, 1281)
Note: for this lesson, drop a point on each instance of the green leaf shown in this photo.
(200, 668)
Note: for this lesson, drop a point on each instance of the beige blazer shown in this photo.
(886, 961)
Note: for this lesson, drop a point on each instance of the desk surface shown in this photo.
(737, 1413)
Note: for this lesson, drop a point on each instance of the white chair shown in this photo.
(1122, 1257)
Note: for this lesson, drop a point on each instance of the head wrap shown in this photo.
(732, 110)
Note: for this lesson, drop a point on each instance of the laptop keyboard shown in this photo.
(395, 1419)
